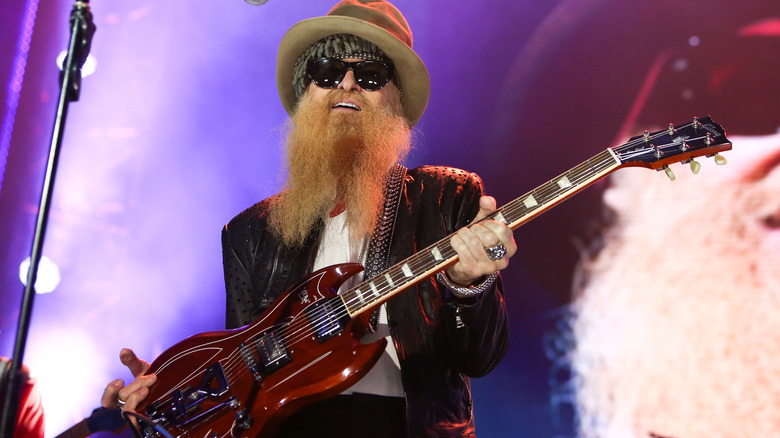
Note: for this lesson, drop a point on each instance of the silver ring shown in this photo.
(120, 402)
(496, 252)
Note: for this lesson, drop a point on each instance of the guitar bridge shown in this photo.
(184, 406)
(250, 362)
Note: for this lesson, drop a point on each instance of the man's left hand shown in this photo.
(472, 243)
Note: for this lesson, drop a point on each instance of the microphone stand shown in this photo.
(81, 30)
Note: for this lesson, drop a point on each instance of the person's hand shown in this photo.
(117, 395)
(472, 246)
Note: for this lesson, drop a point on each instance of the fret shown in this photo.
(374, 289)
(544, 193)
(398, 277)
(359, 294)
(564, 183)
(445, 248)
(582, 172)
(349, 301)
(393, 274)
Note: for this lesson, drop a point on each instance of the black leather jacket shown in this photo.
(437, 358)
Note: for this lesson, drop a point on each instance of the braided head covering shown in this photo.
(337, 46)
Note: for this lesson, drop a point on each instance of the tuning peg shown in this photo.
(720, 160)
(646, 136)
(671, 129)
(658, 152)
(669, 173)
(695, 167)
(696, 123)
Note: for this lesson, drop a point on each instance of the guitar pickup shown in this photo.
(327, 317)
(272, 351)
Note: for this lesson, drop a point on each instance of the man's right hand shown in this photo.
(135, 392)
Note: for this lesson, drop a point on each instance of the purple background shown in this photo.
(179, 129)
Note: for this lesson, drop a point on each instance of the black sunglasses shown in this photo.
(329, 72)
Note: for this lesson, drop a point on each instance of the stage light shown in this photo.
(48, 275)
(70, 367)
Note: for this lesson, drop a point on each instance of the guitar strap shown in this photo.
(377, 256)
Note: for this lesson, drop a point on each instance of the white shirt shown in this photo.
(385, 377)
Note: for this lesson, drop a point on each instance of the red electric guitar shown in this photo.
(306, 346)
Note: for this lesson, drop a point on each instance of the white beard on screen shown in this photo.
(678, 323)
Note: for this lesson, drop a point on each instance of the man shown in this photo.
(677, 323)
(354, 88)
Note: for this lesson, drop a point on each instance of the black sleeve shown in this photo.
(478, 329)
(238, 286)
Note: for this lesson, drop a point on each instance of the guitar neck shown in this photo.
(651, 150)
(557, 190)
(438, 256)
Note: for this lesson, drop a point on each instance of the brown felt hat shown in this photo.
(376, 21)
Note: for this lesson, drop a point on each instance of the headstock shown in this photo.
(676, 144)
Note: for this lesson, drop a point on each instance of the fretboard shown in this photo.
(429, 261)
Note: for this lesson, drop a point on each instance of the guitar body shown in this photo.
(245, 382)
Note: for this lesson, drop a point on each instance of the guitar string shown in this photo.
(299, 330)
(382, 288)
(584, 171)
(543, 193)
